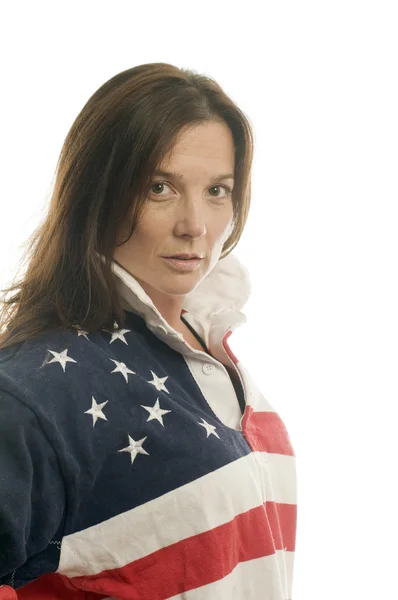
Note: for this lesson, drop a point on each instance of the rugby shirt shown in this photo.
(134, 467)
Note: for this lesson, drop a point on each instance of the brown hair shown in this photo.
(102, 178)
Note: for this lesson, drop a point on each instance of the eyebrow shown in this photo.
(171, 175)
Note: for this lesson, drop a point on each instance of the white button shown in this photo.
(207, 368)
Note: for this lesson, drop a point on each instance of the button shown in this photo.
(207, 368)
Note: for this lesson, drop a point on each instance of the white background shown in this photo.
(318, 81)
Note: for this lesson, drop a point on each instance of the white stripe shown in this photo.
(194, 508)
(252, 580)
(279, 472)
(218, 391)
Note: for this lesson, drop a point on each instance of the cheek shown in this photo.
(148, 235)
(152, 228)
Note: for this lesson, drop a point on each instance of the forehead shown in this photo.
(181, 176)
(208, 147)
(210, 136)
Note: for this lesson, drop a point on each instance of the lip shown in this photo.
(183, 265)
(183, 255)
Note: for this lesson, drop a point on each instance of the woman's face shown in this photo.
(188, 214)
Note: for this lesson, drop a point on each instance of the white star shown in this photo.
(121, 368)
(158, 382)
(61, 357)
(82, 332)
(209, 428)
(135, 448)
(119, 335)
(155, 412)
(96, 411)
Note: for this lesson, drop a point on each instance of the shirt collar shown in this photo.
(212, 308)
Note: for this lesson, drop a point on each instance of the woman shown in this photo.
(138, 458)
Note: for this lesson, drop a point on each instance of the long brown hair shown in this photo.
(102, 179)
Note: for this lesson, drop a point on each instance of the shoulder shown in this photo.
(28, 357)
(60, 371)
(34, 370)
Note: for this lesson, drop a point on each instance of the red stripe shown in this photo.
(266, 432)
(228, 349)
(182, 566)
(54, 586)
(201, 559)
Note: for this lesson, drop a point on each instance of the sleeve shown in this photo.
(32, 490)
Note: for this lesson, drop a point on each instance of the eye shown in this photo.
(225, 187)
(158, 184)
(161, 184)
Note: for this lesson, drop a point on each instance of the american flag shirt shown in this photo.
(128, 469)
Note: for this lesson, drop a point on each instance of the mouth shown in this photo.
(184, 264)
(185, 257)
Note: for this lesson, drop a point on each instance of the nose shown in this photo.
(191, 219)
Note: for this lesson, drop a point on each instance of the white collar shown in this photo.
(212, 308)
